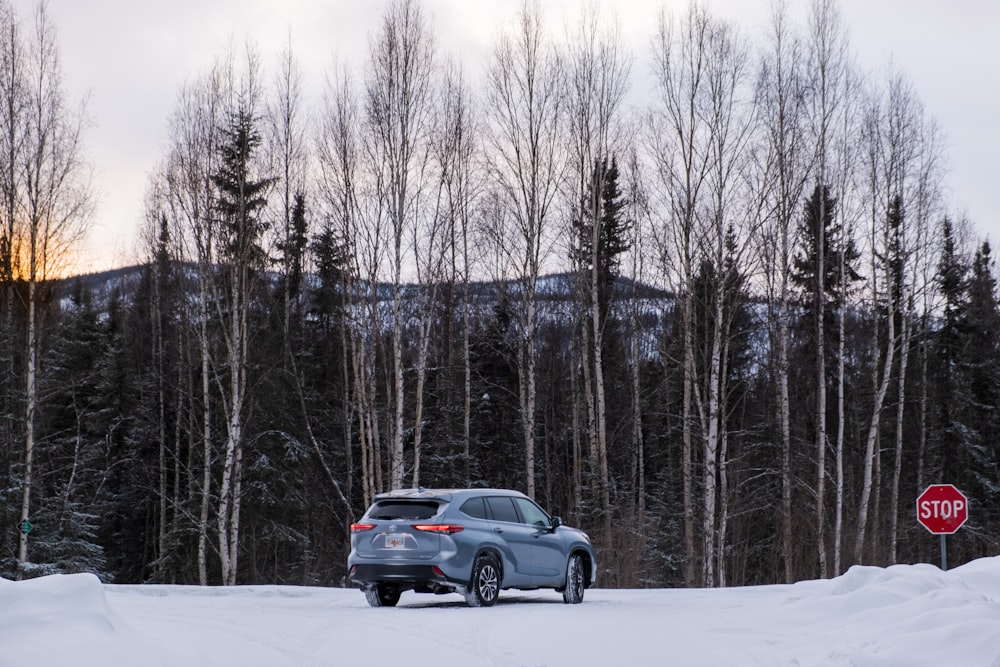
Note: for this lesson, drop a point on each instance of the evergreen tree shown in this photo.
(70, 468)
(835, 240)
(293, 254)
(129, 490)
(158, 354)
(837, 246)
(331, 260)
(612, 234)
(981, 375)
(241, 199)
(496, 451)
(952, 281)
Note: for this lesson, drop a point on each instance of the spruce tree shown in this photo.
(835, 240)
(613, 230)
(242, 198)
(68, 510)
(980, 370)
(952, 281)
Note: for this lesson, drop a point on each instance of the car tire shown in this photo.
(575, 584)
(484, 588)
(382, 596)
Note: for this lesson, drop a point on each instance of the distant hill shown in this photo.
(555, 286)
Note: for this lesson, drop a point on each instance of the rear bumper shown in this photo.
(404, 575)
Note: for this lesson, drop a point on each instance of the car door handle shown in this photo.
(498, 530)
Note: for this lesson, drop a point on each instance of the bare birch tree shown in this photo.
(846, 147)
(827, 46)
(728, 227)
(598, 67)
(681, 164)
(925, 211)
(893, 135)
(455, 147)
(55, 204)
(12, 129)
(345, 187)
(524, 99)
(287, 144)
(191, 196)
(398, 109)
(288, 125)
(242, 194)
(924, 197)
(434, 232)
(638, 263)
(156, 235)
(781, 99)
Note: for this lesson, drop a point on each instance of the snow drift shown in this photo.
(902, 615)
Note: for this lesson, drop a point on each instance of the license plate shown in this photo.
(394, 541)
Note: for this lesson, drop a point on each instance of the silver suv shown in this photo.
(474, 542)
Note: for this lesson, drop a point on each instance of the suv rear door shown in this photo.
(515, 535)
(393, 535)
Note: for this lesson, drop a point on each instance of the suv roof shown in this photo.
(444, 494)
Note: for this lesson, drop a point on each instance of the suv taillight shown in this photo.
(361, 527)
(449, 528)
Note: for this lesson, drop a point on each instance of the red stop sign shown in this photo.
(942, 509)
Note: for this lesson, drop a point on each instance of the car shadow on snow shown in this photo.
(450, 601)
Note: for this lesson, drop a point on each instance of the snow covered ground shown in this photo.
(906, 615)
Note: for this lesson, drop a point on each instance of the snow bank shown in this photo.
(63, 620)
(907, 614)
(900, 616)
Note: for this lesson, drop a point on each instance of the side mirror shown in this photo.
(556, 522)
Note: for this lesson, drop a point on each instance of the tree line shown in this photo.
(728, 325)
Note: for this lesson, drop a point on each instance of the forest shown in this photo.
(720, 317)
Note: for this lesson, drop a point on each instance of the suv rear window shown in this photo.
(388, 510)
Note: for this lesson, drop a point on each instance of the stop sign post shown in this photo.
(942, 509)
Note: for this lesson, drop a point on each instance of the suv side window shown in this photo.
(503, 509)
(531, 512)
(474, 507)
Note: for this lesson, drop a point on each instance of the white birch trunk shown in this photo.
(838, 528)
(897, 469)
(600, 416)
(206, 434)
(157, 310)
(466, 361)
(637, 430)
(721, 577)
(398, 388)
(422, 354)
(586, 364)
(31, 400)
(784, 417)
(687, 464)
(528, 355)
(710, 426)
(869, 460)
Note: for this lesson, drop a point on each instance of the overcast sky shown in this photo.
(131, 57)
